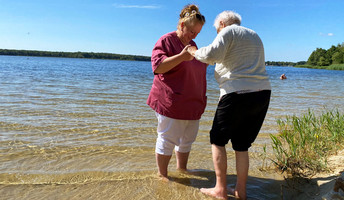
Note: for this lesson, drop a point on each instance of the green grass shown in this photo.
(331, 67)
(304, 143)
(336, 67)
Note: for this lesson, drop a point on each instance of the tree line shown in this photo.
(90, 55)
(281, 63)
(331, 56)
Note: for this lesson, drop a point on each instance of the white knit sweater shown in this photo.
(239, 56)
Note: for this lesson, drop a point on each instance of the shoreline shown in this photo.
(327, 67)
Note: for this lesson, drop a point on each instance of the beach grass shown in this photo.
(330, 67)
(304, 143)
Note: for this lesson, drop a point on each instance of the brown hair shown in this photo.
(190, 15)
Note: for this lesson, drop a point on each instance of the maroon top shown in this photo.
(181, 92)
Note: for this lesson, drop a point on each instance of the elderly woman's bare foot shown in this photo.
(231, 190)
(214, 193)
(235, 193)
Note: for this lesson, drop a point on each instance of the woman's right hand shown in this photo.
(170, 62)
(185, 53)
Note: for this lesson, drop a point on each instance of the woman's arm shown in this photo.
(170, 62)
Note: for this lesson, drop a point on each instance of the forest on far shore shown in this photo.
(323, 57)
(90, 55)
(332, 58)
(281, 63)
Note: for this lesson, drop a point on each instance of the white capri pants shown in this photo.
(175, 133)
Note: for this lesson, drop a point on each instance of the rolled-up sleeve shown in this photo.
(159, 54)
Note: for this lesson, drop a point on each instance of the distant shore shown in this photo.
(113, 56)
(303, 64)
(89, 55)
(330, 67)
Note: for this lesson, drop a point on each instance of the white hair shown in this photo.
(228, 18)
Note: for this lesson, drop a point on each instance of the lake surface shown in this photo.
(81, 129)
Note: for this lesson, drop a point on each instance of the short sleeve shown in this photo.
(159, 53)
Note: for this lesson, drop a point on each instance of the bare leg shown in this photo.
(242, 166)
(220, 165)
(162, 162)
(182, 160)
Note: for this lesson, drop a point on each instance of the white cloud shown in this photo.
(137, 6)
(326, 34)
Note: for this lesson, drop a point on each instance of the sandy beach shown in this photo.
(319, 187)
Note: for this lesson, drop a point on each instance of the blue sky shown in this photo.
(290, 30)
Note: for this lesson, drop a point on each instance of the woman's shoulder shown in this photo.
(193, 43)
(169, 35)
(236, 30)
(232, 29)
(167, 39)
(242, 29)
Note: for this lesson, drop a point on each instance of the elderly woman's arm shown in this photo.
(213, 53)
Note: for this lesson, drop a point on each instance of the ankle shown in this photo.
(240, 194)
(221, 190)
(162, 177)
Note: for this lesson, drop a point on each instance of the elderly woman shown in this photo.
(244, 97)
(178, 94)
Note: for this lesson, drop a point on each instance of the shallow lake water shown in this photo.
(81, 129)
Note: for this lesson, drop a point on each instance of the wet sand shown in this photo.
(146, 186)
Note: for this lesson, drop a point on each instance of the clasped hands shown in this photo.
(190, 50)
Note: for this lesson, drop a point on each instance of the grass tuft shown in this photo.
(304, 143)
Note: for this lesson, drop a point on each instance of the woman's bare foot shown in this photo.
(214, 193)
(163, 178)
(235, 193)
(182, 170)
